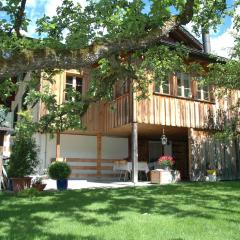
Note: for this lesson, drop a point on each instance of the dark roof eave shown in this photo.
(197, 53)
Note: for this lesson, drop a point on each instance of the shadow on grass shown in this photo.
(22, 218)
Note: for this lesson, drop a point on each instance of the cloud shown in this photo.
(51, 6)
(223, 44)
(35, 9)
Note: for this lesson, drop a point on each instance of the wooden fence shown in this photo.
(209, 153)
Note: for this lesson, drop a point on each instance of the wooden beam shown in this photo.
(58, 149)
(134, 152)
(1, 165)
(99, 153)
(190, 153)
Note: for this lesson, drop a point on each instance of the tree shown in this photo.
(104, 34)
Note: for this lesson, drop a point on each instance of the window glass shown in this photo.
(163, 87)
(79, 84)
(184, 85)
(203, 92)
(73, 82)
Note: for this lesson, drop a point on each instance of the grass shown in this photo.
(173, 212)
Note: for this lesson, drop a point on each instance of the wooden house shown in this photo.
(129, 129)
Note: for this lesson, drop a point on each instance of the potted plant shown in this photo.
(211, 175)
(38, 184)
(166, 162)
(24, 155)
(60, 171)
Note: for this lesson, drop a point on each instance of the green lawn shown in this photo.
(173, 212)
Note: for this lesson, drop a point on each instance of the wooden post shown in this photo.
(134, 152)
(99, 154)
(190, 153)
(134, 137)
(58, 149)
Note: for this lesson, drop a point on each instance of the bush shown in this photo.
(59, 170)
(24, 155)
(23, 160)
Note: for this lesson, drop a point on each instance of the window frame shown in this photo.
(182, 86)
(161, 90)
(200, 89)
(73, 85)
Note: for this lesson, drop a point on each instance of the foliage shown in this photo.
(3, 114)
(58, 117)
(38, 180)
(23, 159)
(59, 170)
(104, 35)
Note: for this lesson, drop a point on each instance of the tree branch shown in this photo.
(186, 16)
(19, 17)
(29, 60)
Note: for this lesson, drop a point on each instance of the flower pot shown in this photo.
(62, 184)
(10, 185)
(18, 184)
(39, 186)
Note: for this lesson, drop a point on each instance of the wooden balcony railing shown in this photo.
(158, 109)
(118, 112)
(172, 111)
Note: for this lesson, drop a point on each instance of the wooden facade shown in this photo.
(188, 120)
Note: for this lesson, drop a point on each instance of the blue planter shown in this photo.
(10, 185)
(62, 184)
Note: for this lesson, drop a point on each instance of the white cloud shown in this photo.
(223, 44)
(51, 6)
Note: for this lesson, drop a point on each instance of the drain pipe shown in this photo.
(206, 41)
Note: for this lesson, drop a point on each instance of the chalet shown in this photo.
(181, 109)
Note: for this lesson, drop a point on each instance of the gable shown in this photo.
(181, 35)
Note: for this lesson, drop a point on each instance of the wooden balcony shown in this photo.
(118, 112)
(158, 109)
(173, 111)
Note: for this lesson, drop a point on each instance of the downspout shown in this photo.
(206, 41)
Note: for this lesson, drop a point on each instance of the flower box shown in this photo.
(162, 176)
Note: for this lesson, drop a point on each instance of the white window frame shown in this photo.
(184, 77)
(74, 82)
(161, 87)
(201, 89)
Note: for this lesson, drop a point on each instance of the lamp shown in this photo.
(164, 138)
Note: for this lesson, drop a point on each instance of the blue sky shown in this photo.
(36, 8)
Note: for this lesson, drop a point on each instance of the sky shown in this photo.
(221, 41)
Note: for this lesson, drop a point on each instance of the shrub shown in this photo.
(59, 170)
(23, 160)
(24, 155)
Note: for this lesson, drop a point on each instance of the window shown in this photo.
(203, 93)
(73, 82)
(163, 86)
(184, 85)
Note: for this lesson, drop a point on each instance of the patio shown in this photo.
(92, 184)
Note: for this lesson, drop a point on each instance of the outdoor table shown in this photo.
(123, 166)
